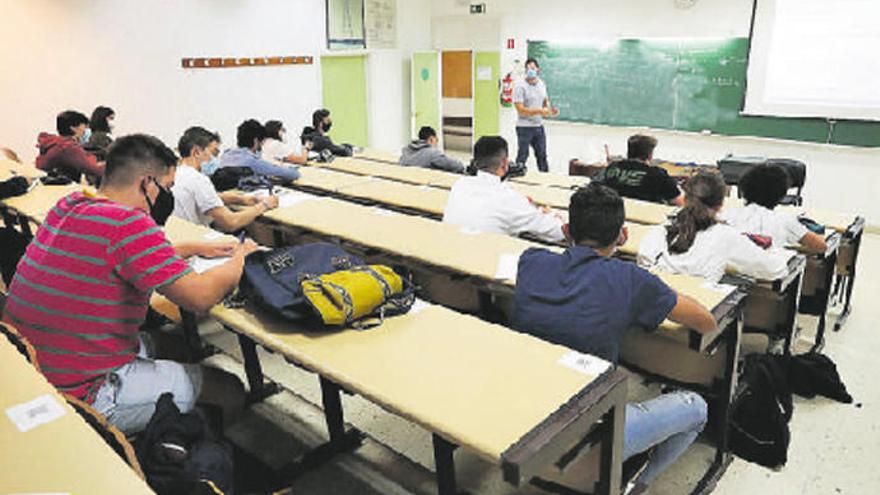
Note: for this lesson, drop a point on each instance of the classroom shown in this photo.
(412, 247)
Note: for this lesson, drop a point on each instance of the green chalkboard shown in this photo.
(689, 85)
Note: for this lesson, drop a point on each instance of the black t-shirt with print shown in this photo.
(636, 179)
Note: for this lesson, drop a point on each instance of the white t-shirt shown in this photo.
(485, 204)
(714, 250)
(783, 228)
(194, 195)
(274, 149)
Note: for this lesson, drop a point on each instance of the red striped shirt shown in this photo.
(82, 289)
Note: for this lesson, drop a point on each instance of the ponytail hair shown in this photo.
(703, 193)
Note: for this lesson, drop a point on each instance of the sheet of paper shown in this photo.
(720, 288)
(383, 212)
(484, 73)
(29, 415)
(290, 198)
(584, 363)
(507, 267)
(201, 265)
(213, 235)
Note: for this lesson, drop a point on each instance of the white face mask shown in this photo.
(283, 136)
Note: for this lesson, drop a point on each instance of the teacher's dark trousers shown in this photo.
(534, 137)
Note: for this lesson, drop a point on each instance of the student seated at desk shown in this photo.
(317, 135)
(195, 198)
(696, 243)
(64, 154)
(250, 137)
(763, 187)
(586, 300)
(276, 146)
(102, 129)
(636, 178)
(486, 204)
(423, 152)
(82, 290)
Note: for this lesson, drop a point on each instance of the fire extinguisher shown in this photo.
(507, 90)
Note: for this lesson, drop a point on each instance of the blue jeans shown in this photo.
(668, 423)
(534, 137)
(128, 396)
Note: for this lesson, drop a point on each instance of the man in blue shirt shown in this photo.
(586, 300)
(250, 138)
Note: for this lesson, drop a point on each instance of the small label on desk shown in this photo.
(384, 213)
(508, 264)
(44, 409)
(584, 363)
(418, 306)
(470, 231)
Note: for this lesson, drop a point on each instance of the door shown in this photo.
(487, 77)
(426, 91)
(344, 87)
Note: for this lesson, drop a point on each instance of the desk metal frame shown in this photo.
(848, 254)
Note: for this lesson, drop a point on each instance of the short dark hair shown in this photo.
(67, 119)
(131, 156)
(273, 129)
(595, 215)
(427, 132)
(98, 122)
(318, 116)
(640, 147)
(195, 136)
(489, 152)
(765, 185)
(531, 60)
(248, 131)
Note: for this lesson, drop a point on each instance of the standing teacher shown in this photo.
(532, 105)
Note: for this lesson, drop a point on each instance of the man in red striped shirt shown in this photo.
(82, 290)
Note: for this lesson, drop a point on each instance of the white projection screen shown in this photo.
(815, 58)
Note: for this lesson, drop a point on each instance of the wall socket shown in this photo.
(478, 8)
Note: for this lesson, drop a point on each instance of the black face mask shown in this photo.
(162, 208)
(326, 126)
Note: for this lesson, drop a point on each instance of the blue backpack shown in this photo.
(272, 280)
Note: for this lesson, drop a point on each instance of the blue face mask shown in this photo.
(532, 73)
(86, 136)
(210, 166)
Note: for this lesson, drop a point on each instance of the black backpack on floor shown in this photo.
(815, 374)
(759, 430)
(180, 454)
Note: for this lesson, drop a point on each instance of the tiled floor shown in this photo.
(832, 450)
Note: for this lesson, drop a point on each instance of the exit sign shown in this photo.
(478, 8)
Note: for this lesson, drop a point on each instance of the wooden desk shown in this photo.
(412, 175)
(420, 200)
(9, 169)
(33, 206)
(377, 155)
(537, 410)
(323, 180)
(544, 179)
(61, 456)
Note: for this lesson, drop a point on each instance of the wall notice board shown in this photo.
(688, 85)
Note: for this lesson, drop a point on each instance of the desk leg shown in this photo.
(612, 450)
(850, 282)
(25, 226)
(726, 391)
(254, 371)
(332, 402)
(444, 463)
(195, 348)
(792, 311)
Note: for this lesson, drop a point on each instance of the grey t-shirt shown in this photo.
(531, 96)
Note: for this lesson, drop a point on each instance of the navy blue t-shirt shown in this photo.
(585, 301)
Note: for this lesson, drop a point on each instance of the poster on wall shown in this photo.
(381, 23)
(345, 24)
